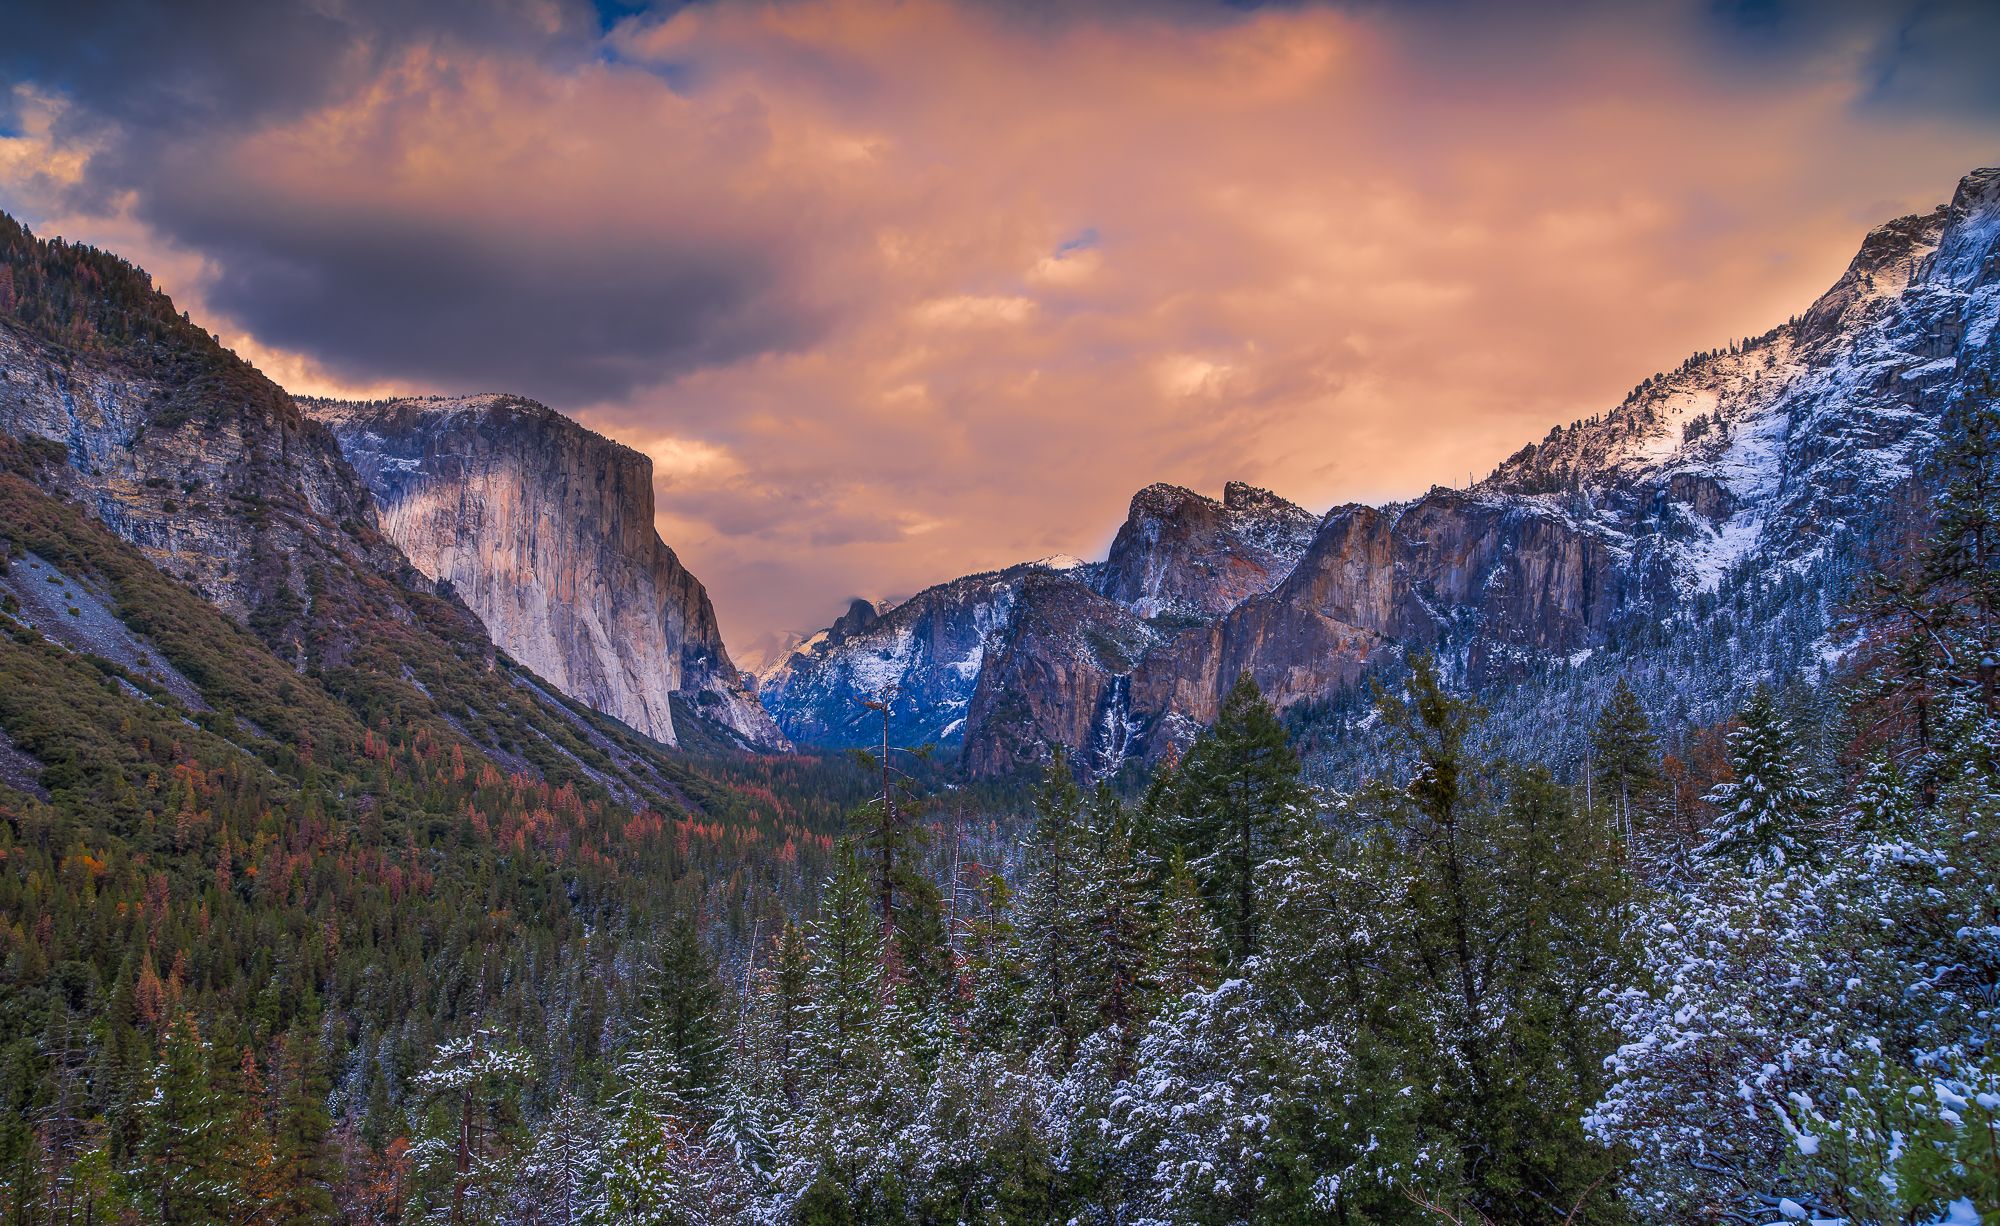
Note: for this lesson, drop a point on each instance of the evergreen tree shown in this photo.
(1185, 958)
(846, 970)
(1769, 814)
(304, 1170)
(463, 1157)
(1052, 927)
(185, 1173)
(684, 1016)
(1236, 799)
(1119, 905)
(561, 1182)
(1624, 760)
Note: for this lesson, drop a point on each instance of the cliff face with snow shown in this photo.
(1042, 653)
(545, 530)
(1699, 534)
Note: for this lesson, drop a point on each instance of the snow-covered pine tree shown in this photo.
(1187, 950)
(1236, 799)
(1051, 925)
(561, 1180)
(464, 1152)
(183, 1166)
(1624, 760)
(1769, 813)
(1119, 904)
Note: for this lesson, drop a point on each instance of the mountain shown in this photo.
(1181, 555)
(124, 408)
(545, 529)
(930, 650)
(1701, 534)
(1042, 652)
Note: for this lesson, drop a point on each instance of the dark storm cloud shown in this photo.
(153, 64)
(504, 286)
(470, 304)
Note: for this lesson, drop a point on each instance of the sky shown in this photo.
(894, 292)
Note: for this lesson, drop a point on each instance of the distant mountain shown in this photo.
(128, 410)
(1699, 535)
(545, 529)
(1006, 660)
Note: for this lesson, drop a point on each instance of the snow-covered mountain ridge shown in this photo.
(1703, 529)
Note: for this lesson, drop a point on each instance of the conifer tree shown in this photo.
(1185, 958)
(1236, 799)
(183, 1174)
(561, 1181)
(684, 1009)
(469, 1091)
(846, 970)
(1119, 905)
(1624, 763)
(304, 1170)
(1769, 814)
(1052, 926)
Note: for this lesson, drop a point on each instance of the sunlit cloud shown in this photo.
(891, 292)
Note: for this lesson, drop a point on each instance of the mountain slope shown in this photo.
(212, 472)
(545, 529)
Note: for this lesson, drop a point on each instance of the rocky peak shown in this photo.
(1185, 556)
(861, 614)
(546, 530)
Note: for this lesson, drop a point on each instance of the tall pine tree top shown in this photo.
(1769, 812)
(1236, 799)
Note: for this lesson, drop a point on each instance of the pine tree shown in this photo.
(561, 1182)
(1236, 799)
(790, 988)
(1119, 905)
(995, 979)
(684, 1008)
(1769, 814)
(1185, 958)
(184, 1173)
(1625, 768)
(846, 970)
(304, 1170)
(739, 1133)
(462, 1160)
(1052, 927)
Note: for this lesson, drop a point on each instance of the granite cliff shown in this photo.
(545, 529)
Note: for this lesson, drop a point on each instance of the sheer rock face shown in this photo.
(546, 531)
(1784, 456)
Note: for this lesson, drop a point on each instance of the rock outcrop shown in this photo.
(1042, 653)
(1180, 555)
(545, 529)
(114, 400)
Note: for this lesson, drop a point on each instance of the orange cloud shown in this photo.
(901, 291)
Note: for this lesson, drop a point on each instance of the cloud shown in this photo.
(892, 292)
